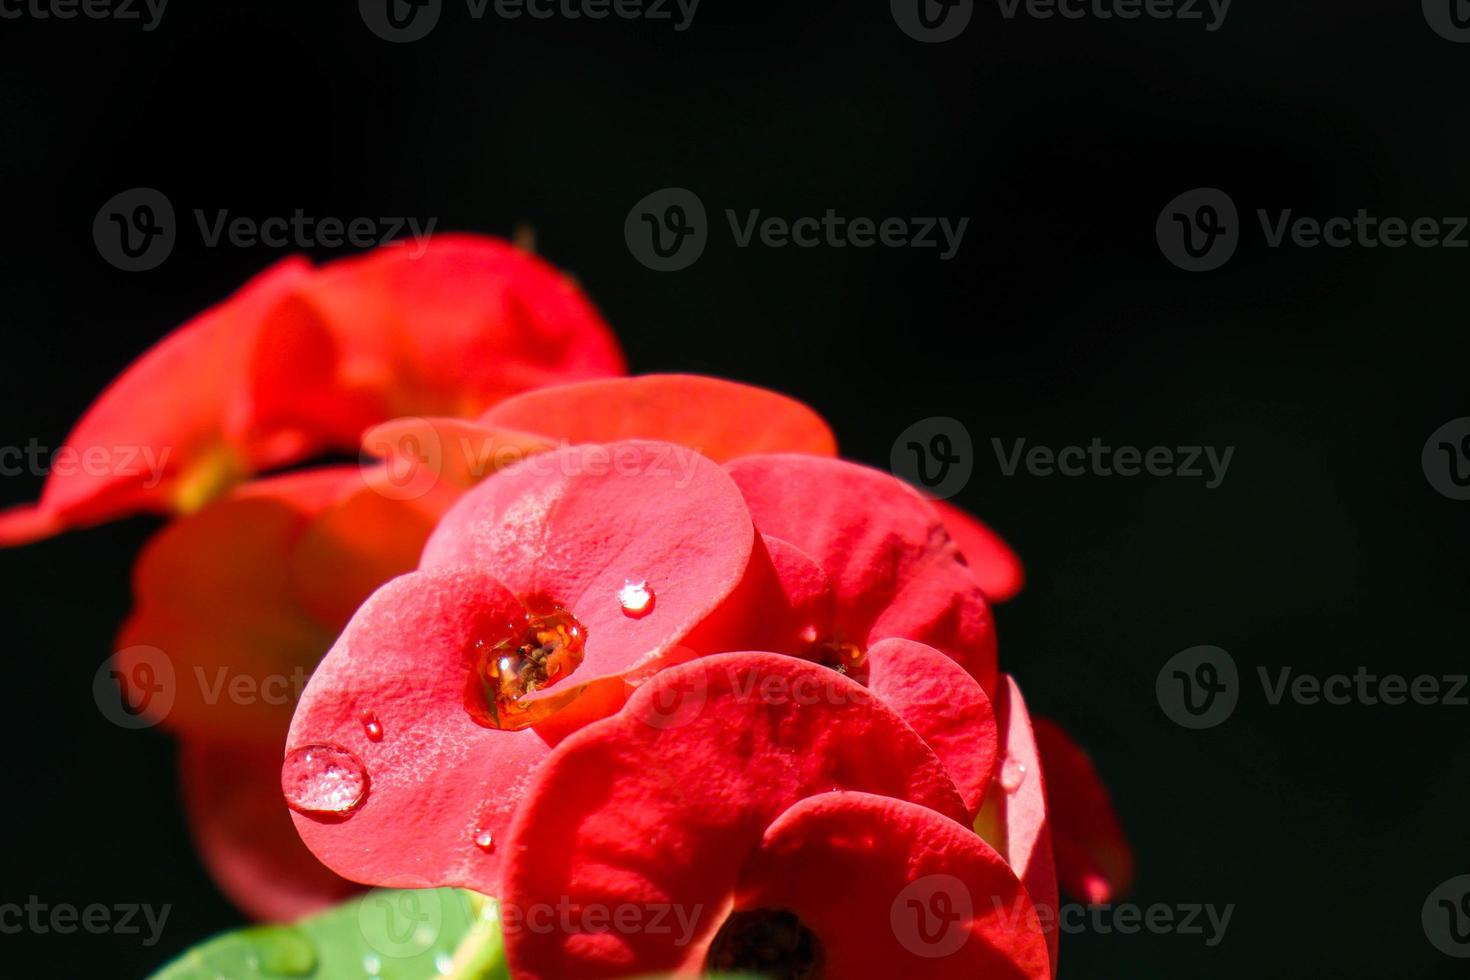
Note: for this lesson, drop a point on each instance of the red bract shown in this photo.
(710, 797)
(893, 570)
(1015, 818)
(638, 543)
(721, 420)
(997, 568)
(1094, 861)
(301, 360)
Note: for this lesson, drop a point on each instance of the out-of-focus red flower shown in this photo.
(252, 584)
(302, 360)
(714, 795)
(1094, 861)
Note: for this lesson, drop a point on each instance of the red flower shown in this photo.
(714, 794)
(303, 360)
(252, 585)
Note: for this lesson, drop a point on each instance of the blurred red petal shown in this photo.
(232, 797)
(663, 802)
(996, 566)
(719, 419)
(1094, 860)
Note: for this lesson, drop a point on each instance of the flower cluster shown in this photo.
(639, 656)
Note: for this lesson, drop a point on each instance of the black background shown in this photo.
(1327, 369)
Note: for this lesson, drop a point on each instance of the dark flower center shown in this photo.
(769, 943)
(847, 659)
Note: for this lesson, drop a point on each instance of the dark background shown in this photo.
(1059, 320)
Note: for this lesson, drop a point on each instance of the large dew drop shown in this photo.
(505, 674)
(322, 779)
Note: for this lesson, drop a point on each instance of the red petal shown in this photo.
(470, 321)
(187, 403)
(718, 419)
(892, 567)
(663, 802)
(576, 525)
(214, 593)
(1094, 860)
(997, 568)
(436, 778)
(945, 705)
(891, 889)
(232, 796)
(1015, 818)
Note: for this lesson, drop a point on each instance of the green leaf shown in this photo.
(386, 934)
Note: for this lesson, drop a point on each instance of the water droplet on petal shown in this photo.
(371, 726)
(485, 841)
(1012, 774)
(505, 673)
(636, 598)
(322, 778)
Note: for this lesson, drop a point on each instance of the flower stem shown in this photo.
(481, 953)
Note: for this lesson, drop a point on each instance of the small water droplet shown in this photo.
(443, 962)
(322, 778)
(485, 841)
(371, 726)
(1012, 774)
(372, 964)
(636, 598)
